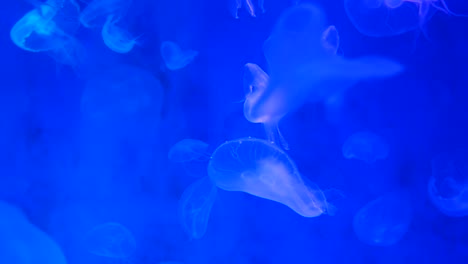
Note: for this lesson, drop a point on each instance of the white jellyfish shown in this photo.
(174, 57)
(117, 38)
(260, 168)
(365, 146)
(110, 240)
(195, 207)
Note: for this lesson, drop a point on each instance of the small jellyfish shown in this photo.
(47, 27)
(195, 207)
(110, 240)
(448, 185)
(22, 243)
(365, 146)
(116, 38)
(260, 168)
(174, 57)
(304, 67)
(192, 155)
(383, 221)
(96, 13)
(380, 18)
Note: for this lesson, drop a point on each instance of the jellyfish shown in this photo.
(235, 5)
(22, 242)
(192, 155)
(96, 13)
(195, 207)
(448, 184)
(46, 28)
(365, 146)
(381, 18)
(110, 240)
(116, 38)
(383, 221)
(262, 169)
(174, 57)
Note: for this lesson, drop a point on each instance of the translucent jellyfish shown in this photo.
(383, 221)
(365, 146)
(23, 243)
(174, 57)
(192, 155)
(48, 27)
(304, 67)
(121, 93)
(236, 5)
(110, 240)
(195, 207)
(448, 185)
(96, 13)
(116, 38)
(260, 168)
(379, 18)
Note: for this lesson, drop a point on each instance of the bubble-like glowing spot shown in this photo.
(110, 240)
(174, 57)
(260, 168)
(383, 221)
(365, 146)
(195, 207)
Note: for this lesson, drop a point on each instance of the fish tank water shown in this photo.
(233, 131)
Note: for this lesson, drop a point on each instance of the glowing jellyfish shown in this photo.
(121, 93)
(448, 185)
(192, 155)
(195, 207)
(174, 57)
(365, 146)
(116, 38)
(260, 168)
(96, 12)
(110, 240)
(304, 67)
(236, 5)
(23, 243)
(383, 221)
(379, 18)
(48, 27)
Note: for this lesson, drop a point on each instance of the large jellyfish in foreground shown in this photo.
(303, 66)
(365, 146)
(110, 240)
(379, 18)
(383, 221)
(260, 168)
(174, 57)
(448, 185)
(23, 243)
(195, 207)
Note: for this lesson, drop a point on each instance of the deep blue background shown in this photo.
(421, 113)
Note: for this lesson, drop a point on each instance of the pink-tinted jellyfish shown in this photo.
(379, 18)
(260, 168)
(383, 221)
(21, 242)
(303, 66)
(95, 14)
(448, 184)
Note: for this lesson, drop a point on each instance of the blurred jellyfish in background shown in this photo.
(381, 18)
(96, 13)
(303, 67)
(384, 221)
(260, 168)
(195, 207)
(448, 184)
(174, 57)
(247, 5)
(110, 240)
(116, 38)
(192, 155)
(365, 146)
(21, 242)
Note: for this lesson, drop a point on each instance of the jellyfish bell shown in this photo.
(174, 57)
(262, 169)
(365, 146)
(117, 38)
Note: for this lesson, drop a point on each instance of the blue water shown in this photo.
(182, 131)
